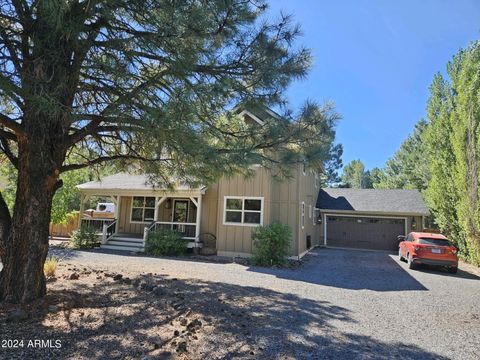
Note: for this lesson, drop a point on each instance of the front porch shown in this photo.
(135, 217)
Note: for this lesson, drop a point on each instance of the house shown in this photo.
(219, 217)
(368, 218)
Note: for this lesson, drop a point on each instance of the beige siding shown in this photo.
(284, 206)
(307, 193)
(124, 224)
(208, 221)
(233, 239)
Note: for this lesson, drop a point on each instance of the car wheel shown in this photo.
(411, 264)
(452, 270)
(400, 257)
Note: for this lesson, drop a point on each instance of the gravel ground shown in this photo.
(338, 304)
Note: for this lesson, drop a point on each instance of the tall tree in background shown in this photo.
(137, 81)
(464, 72)
(441, 193)
(408, 168)
(355, 176)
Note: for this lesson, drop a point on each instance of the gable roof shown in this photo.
(125, 181)
(372, 201)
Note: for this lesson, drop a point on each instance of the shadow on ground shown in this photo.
(116, 320)
(350, 269)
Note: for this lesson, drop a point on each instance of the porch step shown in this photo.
(130, 248)
(127, 239)
(124, 243)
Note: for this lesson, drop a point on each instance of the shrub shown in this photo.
(84, 238)
(166, 242)
(50, 266)
(271, 244)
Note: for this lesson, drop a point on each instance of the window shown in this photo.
(316, 216)
(303, 215)
(241, 210)
(310, 211)
(143, 209)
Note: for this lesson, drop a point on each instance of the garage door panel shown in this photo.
(364, 232)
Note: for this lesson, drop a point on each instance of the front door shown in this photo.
(180, 211)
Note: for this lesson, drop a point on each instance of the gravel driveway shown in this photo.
(338, 304)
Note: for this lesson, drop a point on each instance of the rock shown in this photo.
(183, 322)
(157, 290)
(74, 276)
(176, 333)
(182, 347)
(194, 324)
(142, 285)
(109, 275)
(127, 280)
(17, 315)
(117, 277)
(149, 287)
(99, 277)
(136, 282)
(52, 308)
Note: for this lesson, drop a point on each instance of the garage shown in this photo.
(368, 218)
(364, 232)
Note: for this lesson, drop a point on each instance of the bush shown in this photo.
(84, 238)
(166, 242)
(271, 244)
(50, 266)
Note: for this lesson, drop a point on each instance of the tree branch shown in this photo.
(11, 124)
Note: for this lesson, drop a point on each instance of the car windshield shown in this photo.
(432, 241)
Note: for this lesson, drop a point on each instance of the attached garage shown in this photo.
(369, 218)
(364, 232)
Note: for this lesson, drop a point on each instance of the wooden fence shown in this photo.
(65, 230)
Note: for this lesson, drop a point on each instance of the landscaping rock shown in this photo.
(127, 280)
(52, 308)
(183, 322)
(157, 290)
(74, 276)
(182, 347)
(17, 315)
(194, 324)
(117, 277)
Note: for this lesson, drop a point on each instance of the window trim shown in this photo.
(302, 215)
(243, 198)
(131, 209)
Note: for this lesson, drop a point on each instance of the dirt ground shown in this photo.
(109, 306)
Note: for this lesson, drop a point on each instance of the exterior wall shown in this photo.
(285, 206)
(208, 221)
(307, 193)
(236, 240)
(124, 216)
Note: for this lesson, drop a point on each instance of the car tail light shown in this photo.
(452, 249)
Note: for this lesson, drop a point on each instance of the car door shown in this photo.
(405, 244)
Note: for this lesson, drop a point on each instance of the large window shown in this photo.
(241, 210)
(143, 209)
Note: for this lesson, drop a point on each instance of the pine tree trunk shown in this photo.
(26, 246)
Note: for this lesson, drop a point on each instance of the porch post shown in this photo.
(199, 216)
(155, 214)
(82, 209)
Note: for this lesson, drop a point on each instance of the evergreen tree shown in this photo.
(139, 81)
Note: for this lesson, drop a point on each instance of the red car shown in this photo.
(430, 249)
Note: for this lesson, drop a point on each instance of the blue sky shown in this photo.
(375, 59)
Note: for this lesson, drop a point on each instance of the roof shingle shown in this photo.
(372, 201)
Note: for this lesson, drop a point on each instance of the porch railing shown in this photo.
(108, 231)
(104, 228)
(188, 230)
